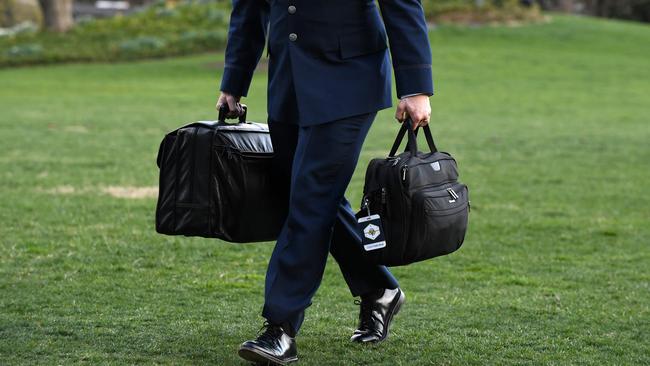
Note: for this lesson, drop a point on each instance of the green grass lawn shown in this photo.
(549, 124)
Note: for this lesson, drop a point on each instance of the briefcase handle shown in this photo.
(223, 113)
(411, 144)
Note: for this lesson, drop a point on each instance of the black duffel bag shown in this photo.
(215, 182)
(423, 208)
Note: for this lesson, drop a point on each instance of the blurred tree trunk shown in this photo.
(567, 5)
(57, 14)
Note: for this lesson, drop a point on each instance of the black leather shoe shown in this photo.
(376, 314)
(273, 347)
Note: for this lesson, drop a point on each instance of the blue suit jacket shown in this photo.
(334, 51)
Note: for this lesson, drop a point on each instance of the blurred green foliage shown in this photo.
(29, 49)
(188, 27)
(193, 26)
(435, 7)
(480, 11)
(13, 12)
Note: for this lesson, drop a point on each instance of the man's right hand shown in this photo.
(235, 109)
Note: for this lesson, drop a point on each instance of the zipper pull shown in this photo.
(395, 161)
(453, 194)
(383, 196)
(404, 169)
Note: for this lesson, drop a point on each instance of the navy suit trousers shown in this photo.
(313, 167)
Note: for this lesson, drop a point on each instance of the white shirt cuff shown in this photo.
(410, 95)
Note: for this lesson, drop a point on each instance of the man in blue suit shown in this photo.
(329, 74)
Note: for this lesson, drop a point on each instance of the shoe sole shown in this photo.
(260, 357)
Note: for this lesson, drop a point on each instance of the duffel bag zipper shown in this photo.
(254, 155)
(230, 153)
(405, 168)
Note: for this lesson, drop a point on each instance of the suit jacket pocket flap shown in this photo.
(361, 42)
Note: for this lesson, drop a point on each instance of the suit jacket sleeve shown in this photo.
(409, 46)
(249, 21)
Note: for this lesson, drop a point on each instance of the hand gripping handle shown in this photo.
(224, 110)
(411, 144)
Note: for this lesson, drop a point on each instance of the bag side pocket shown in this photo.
(439, 221)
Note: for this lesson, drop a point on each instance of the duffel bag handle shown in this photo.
(223, 113)
(411, 144)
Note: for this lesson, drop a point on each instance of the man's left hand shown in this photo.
(417, 107)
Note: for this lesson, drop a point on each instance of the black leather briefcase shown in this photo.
(215, 182)
(423, 207)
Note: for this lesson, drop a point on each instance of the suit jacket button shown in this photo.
(293, 37)
(292, 9)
